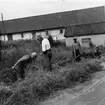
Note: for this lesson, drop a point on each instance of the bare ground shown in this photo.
(73, 96)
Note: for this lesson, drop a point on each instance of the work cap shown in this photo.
(74, 38)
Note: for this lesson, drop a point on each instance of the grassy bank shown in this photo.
(40, 84)
(13, 50)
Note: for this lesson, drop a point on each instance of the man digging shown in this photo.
(23, 63)
(76, 47)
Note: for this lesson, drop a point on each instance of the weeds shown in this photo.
(40, 84)
(5, 93)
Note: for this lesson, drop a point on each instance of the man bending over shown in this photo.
(23, 62)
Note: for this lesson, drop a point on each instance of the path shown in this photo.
(92, 94)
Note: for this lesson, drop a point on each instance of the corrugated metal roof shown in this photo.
(55, 20)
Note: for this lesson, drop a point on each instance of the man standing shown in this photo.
(51, 40)
(46, 53)
(40, 39)
(23, 62)
(76, 49)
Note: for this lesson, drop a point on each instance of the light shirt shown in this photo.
(25, 57)
(76, 45)
(45, 44)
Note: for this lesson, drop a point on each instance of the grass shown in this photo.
(12, 51)
(39, 84)
(4, 95)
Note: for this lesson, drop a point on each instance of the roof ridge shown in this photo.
(53, 13)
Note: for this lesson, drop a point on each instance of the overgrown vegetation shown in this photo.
(39, 83)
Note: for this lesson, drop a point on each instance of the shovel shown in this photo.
(76, 57)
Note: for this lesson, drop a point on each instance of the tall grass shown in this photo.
(39, 84)
(13, 50)
(4, 95)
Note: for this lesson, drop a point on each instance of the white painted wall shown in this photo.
(61, 36)
(27, 35)
(96, 39)
(2, 38)
(43, 33)
(16, 36)
(54, 33)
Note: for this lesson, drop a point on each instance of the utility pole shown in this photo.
(3, 26)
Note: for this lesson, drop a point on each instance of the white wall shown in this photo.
(19, 36)
(16, 36)
(43, 33)
(96, 39)
(61, 36)
(27, 35)
(2, 38)
(99, 39)
(54, 33)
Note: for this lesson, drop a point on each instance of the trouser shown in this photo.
(77, 53)
(20, 71)
(47, 55)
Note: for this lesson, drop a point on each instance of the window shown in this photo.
(86, 42)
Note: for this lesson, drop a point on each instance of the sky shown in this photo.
(13, 9)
